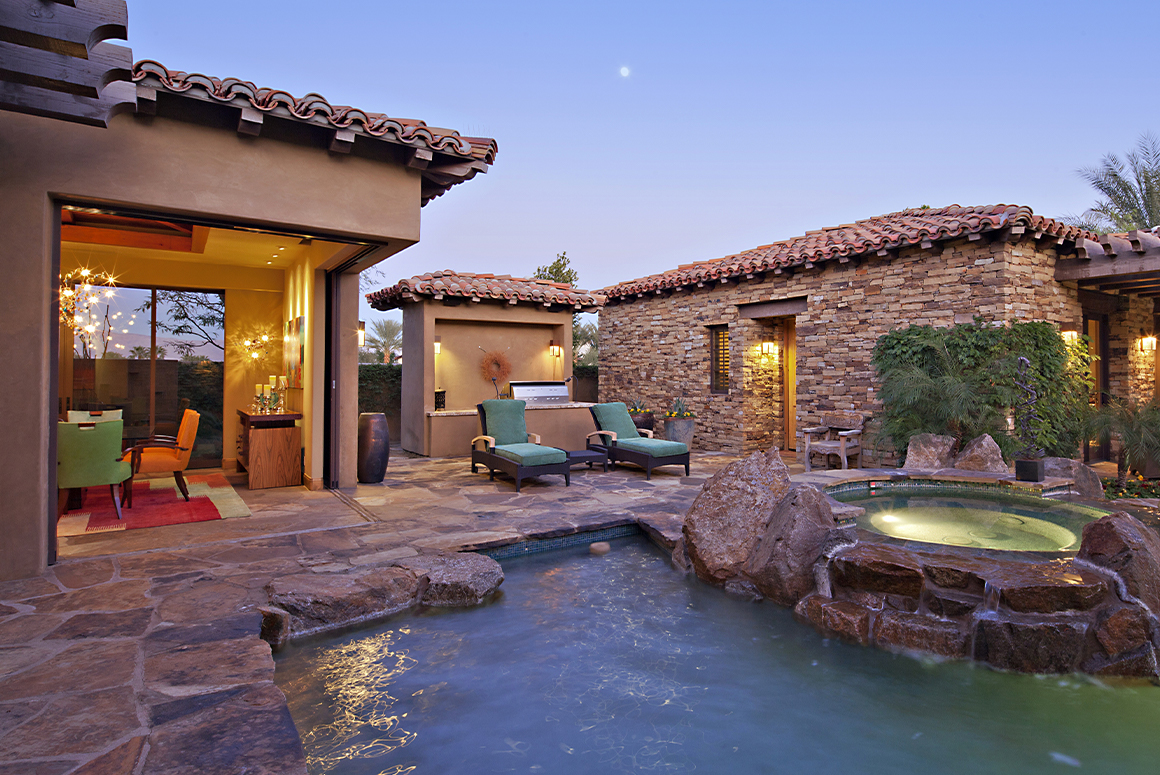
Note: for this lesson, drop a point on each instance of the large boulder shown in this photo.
(928, 452)
(982, 454)
(322, 601)
(1122, 543)
(781, 566)
(724, 524)
(455, 580)
(1087, 481)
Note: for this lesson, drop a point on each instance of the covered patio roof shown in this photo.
(1126, 264)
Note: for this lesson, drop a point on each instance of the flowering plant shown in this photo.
(679, 410)
(638, 407)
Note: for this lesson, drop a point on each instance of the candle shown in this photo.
(258, 389)
(273, 380)
(282, 382)
(266, 389)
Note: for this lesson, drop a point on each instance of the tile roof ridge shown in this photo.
(886, 232)
(312, 105)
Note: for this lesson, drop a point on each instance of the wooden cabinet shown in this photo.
(270, 449)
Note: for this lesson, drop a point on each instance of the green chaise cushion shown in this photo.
(654, 447)
(505, 421)
(615, 417)
(531, 454)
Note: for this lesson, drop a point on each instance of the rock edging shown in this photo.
(304, 604)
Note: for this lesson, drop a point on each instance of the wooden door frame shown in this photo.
(789, 381)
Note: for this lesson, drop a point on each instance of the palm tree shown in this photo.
(385, 337)
(1138, 429)
(1131, 191)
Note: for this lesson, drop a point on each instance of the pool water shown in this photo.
(998, 521)
(618, 664)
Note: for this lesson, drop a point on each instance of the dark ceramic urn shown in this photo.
(374, 447)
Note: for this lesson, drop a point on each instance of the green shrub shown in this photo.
(380, 388)
(960, 382)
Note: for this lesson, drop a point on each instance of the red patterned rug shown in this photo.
(156, 502)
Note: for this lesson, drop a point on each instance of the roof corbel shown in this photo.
(419, 158)
(342, 140)
(250, 122)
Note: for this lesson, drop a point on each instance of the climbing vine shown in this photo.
(961, 382)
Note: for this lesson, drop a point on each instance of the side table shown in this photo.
(270, 449)
(589, 456)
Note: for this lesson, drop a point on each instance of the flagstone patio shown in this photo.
(139, 650)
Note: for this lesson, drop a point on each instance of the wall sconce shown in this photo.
(362, 334)
(555, 349)
(1070, 337)
(1148, 344)
(769, 348)
(437, 341)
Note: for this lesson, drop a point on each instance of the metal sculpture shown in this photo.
(1026, 416)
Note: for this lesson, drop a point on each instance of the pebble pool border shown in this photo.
(537, 545)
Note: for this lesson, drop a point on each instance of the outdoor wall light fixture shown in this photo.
(1148, 344)
(555, 349)
(1070, 337)
(769, 348)
(362, 334)
(437, 341)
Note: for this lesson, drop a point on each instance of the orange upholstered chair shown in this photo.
(167, 454)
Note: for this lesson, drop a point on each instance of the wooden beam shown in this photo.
(342, 140)
(419, 158)
(1098, 267)
(117, 97)
(63, 29)
(1102, 303)
(60, 72)
(198, 238)
(250, 122)
(124, 238)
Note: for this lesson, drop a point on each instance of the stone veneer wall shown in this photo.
(656, 348)
(1131, 372)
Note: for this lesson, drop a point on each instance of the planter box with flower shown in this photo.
(642, 417)
(679, 424)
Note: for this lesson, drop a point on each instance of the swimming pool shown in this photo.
(619, 664)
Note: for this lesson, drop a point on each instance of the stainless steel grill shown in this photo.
(539, 393)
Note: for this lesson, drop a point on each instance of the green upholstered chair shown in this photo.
(88, 454)
(508, 447)
(618, 435)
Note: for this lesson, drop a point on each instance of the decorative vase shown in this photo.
(642, 419)
(1029, 470)
(374, 447)
(679, 429)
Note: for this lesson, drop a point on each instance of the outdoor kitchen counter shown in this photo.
(559, 425)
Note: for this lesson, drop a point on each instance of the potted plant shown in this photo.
(679, 423)
(642, 416)
(1137, 426)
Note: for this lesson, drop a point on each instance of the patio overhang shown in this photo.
(1125, 264)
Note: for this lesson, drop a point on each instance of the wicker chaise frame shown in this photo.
(617, 454)
(510, 467)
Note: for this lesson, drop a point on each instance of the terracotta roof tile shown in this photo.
(884, 232)
(479, 287)
(468, 155)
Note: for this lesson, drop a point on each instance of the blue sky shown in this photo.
(738, 123)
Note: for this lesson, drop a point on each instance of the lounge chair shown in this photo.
(619, 436)
(508, 447)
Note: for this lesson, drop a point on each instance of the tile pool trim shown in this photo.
(882, 485)
(537, 545)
